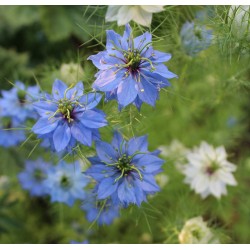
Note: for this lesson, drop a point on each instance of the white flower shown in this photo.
(161, 179)
(141, 14)
(71, 72)
(195, 231)
(176, 152)
(239, 18)
(208, 171)
(4, 182)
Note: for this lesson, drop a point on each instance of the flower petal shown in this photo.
(58, 89)
(106, 188)
(44, 126)
(93, 119)
(61, 137)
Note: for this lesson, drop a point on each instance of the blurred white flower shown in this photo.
(239, 18)
(141, 14)
(195, 231)
(176, 152)
(4, 182)
(161, 179)
(71, 72)
(208, 171)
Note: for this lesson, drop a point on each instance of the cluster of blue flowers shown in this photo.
(63, 182)
(122, 172)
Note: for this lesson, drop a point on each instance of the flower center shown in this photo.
(65, 107)
(39, 175)
(65, 182)
(197, 33)
(212, 168)
(133, 59)
(6, 122)
(21, 94)
(197, 234)
(124, 164)
(125, 167)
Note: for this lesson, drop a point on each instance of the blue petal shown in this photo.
(161, 56)
(44, 126)
(106, 188)
(81, 133)
(112, 39)
(162, 70)
(127, 91)
(45, 108)
(108, 80)
(98, 60)
(99, 171)
(90, 100)
(61, 137)
(118, 142)
(149, 93)
(149, 163)
(58, 89)
(148, 184)
(126, 192)
(138, 144)
(76, 91)
(93, 119)
(106, 152)
(141, 41)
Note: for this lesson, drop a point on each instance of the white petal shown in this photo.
(227, 177)
(215, 188)
(152, 8)
(125, 14)
(142, 17)
(201, 184)
(112, 12)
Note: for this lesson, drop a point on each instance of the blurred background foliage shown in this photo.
(208, 102)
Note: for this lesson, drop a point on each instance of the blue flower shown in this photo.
(69, 116)
(102, 211)
(10, 134)
(131, 71)
(195, 38)
(17, 102)
(34, 176)
(65, 183)
(124, 170)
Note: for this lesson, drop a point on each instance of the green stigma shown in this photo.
(21, 94)
(65, 107)
(65, 182)
(212, 168)
(197, 234)
(134, 58)
(125, 167)
(39, 175)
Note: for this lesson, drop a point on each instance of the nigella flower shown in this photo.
(141, 14)
(34, 176)
(17, 102)
(125, 170)
(65, 183)
(131, 71)
(195, 38)
(196, 231)
(69, 116)
(102, 211)
(11, 133)
(208, 171)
